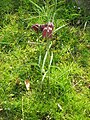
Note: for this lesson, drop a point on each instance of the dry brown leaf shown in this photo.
(27, 84)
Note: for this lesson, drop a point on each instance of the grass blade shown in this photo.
(45, 57)
(60, 27)
(51, 60)
(35, 5)
(44, 76)
(39, 59)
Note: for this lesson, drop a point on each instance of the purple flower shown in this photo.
(43, 26)
(46, 29)
(36, 27)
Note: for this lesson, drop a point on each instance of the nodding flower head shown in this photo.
(46, 29)
(43, 26)
(36, 27)
(50, 24)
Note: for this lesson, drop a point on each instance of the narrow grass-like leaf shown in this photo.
(44, 76)
(85, 25)
(35, 5)
(51, 60)
(60, 27)
(45, 57)
(44, 60)
(5, 43)
(39, 59)
(22, 110)
(34, 17)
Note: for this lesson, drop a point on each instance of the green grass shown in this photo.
(58, 68)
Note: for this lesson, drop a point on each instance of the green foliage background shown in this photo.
(58, 68)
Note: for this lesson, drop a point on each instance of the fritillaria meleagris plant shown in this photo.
(46, 29)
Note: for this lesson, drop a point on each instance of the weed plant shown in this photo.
(58, 69)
